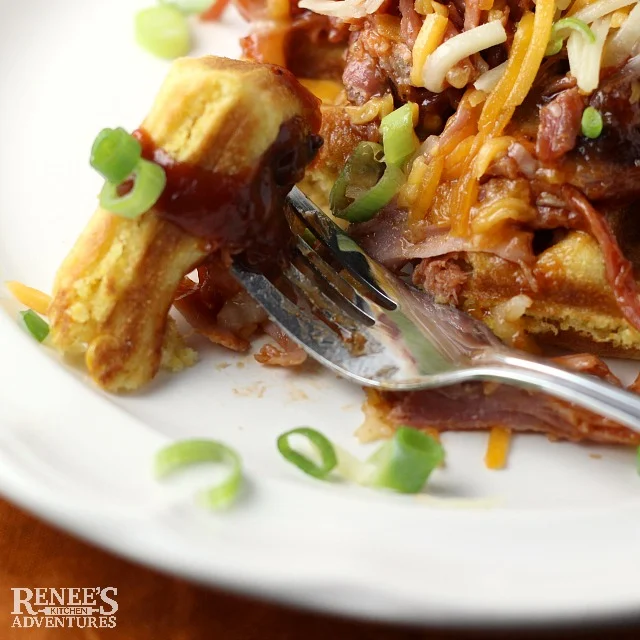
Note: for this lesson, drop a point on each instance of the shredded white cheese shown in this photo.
(626, 41)
(585, 57)
(449, 53)
(489, 79)
(342, 8)
(600, 8)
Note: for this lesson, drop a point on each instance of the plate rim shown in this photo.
(16, 486)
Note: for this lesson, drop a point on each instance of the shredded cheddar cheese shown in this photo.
(326, 90)
(453, 172)
(440, 9)
(498, 448)
(430, 182)
(423, 7)
(494, 117)
(30, 297)
(488, 152)
(497, 99)
(476, 97)
(428, 40)
(619, 16)
(455, 162)
(578, 5)
(371, 109)
(410, 189)
(488, 216)
(542, 23)
(460, 152)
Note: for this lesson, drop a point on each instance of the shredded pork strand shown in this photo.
(479, 406)
(286, 353)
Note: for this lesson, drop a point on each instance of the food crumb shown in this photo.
(296, 394)
(596, 456)
(222, 365)
(240, 365)
(256, 389)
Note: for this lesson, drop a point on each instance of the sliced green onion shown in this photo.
(553, 47)
(149, 182)
(36, 326)
(115, 154)
(163, 31)
(591, 123)
(322, 445)
(364, 167)
(365, 207)
(573, 24)
(188, 452)
(567, 24)
(402, 464)
(188, 7)
(364, 186)
(398, 137)
(405, 462)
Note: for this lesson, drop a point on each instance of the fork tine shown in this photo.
(310, 332)
(360, 356)
(333, 285)
(319, 301)
(345, 250)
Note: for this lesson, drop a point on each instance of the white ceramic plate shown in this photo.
(556, 537)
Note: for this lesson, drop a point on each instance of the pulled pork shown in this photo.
(542, 182)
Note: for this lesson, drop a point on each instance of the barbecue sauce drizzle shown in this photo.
(240, 213)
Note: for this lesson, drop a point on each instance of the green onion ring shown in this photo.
(573, 24)
(399, 139)
(554, 46)
(188, 452)
(115, 154)
(364, 172)
(163, 31)
(362, 169)
(35, 325)
(366, 206)
(149, 183)
(405, 462)
(591, 123)
(323, 446)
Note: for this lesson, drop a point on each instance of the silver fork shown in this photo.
(386, 334)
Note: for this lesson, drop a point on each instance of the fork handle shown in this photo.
(602, 398)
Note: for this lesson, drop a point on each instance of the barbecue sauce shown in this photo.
(240, 213)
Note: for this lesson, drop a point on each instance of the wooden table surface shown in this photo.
(157, 607)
